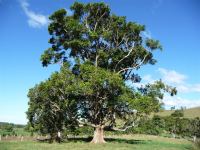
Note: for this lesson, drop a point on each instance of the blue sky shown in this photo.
(24, 37)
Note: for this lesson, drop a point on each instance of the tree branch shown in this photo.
(86, 24)
(130, 50)
(110, 128)
(96, 60)
(98, 21)
(85, 123)
(129, 68)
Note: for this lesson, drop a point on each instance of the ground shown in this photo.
(125, 142)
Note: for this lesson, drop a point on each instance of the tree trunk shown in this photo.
(98, 137)
(194, 138)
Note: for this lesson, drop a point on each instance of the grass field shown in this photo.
(188, 113)
(136, 142)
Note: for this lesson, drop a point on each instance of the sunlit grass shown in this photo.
(126, 142)
(188, 113)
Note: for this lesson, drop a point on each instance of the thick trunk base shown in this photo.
(98, 136)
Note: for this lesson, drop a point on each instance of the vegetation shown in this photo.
(175, 125)
(136, 142)
(99, 53)
(12, 129)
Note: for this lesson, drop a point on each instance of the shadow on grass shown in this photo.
(108, 140)
(128, 141)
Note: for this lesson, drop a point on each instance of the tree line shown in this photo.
(174, 125)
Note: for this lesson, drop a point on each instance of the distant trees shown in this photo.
(195, 128)
(9, 128)
(175, 124)
(103, 51)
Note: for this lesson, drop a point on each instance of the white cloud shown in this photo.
(35, 20)
(171, 76)
(179, 101)
(196, 88)
(183, 88)
(148, 78)
(178, 80)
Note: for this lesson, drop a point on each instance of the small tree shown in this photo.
(51, 105)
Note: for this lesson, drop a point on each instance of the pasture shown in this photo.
(188, 113)
(123, 142)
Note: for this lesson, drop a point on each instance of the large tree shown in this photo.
(104, 50)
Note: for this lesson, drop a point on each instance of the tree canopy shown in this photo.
(98, 51)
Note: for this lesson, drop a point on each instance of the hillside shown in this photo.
(188, 113)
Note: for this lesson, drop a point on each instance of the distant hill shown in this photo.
(3, 124)
(188, 113)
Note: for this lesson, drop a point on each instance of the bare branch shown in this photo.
(86, 24)
(130, 50)
(134, 67)
(81, 123)
(110, 128)
(98, 21)
(96, 60)
(55, 106)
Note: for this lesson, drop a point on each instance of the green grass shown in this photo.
(17, 131)
(137, 142)
(188, 113)
(21, 131)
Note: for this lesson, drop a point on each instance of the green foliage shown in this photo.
(153, 44)
(103, 50)
(153, 126)
(175, 123)
(195, 127)
(51, 104)
(6, 129)
(91, 31)
(177, 113)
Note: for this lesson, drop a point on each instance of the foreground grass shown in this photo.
(137, 142)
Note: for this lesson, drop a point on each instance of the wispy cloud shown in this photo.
(180, 102)
(178, 80)
(148, 78)
(171, 76)
(183, 86)
(35, 20)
